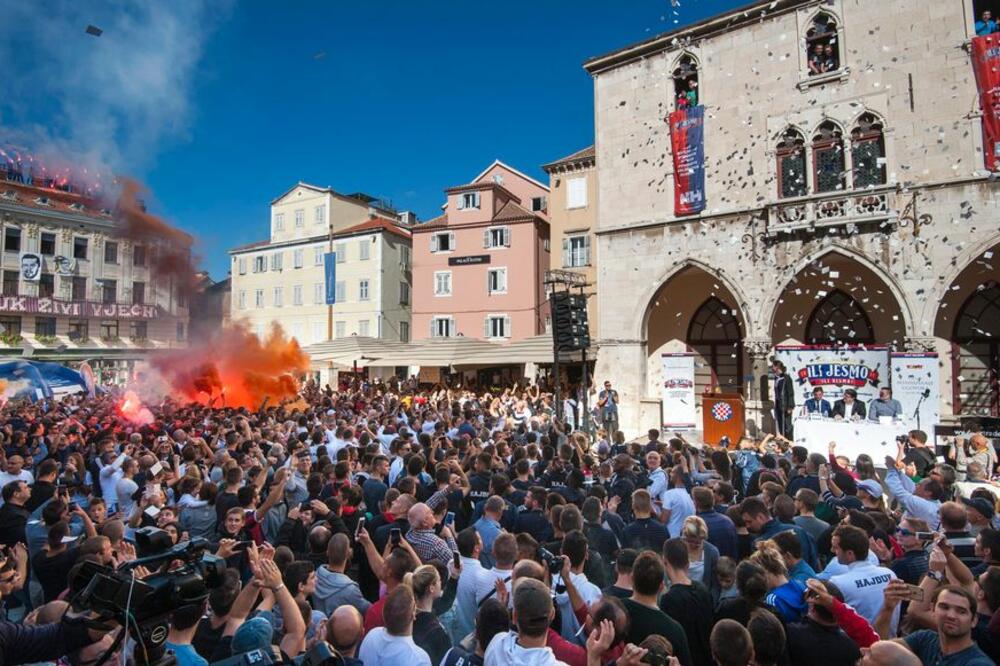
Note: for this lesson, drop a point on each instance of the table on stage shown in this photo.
(852, 437)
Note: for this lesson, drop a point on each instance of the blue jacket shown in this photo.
(822, 406)
(721, 533)
(809, 552)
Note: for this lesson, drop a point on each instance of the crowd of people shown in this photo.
(425, 526)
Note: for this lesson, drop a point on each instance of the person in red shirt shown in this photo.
(390, 571)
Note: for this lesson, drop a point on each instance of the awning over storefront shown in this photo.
(454, 352)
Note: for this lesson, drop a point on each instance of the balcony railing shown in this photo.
(829, 210)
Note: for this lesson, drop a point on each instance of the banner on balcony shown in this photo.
(330, 270)
(986, 64)
(687, 141)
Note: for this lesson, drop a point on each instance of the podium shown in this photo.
(722, 416)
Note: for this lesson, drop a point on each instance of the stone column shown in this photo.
(623, 363)
(758, 399)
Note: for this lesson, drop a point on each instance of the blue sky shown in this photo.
(408, 98)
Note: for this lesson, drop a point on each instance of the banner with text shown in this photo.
(835, 369)
(915, 382)
(687, 141)
(986, 65)
(677, 391)
(330, 270)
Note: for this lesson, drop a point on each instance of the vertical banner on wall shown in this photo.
(986, 65)
(687, 141)
(677, 391)
(915, 384)
(330, 270)
(835, 369)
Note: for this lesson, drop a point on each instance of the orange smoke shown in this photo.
(235, 369)
(131, 408)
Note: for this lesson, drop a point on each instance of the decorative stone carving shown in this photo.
(757, 347)
(921, 344)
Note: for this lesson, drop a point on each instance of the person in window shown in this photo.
(830, 59)
(816, 59)
(986, 25)
(692, 93)
(817, 405)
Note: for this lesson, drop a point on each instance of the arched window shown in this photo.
(791, 156)
(822, 45)
(828, 158)
(868, 152)
(839, 319)
(715, 334)
(686, 82)
(977, 353)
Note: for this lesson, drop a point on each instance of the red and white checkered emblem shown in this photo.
(721, 411)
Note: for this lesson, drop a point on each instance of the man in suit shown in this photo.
(784, 399)
(849, 407)
(817, 405)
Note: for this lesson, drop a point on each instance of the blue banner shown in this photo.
(330, 268)
(687, 141)
(34, 380)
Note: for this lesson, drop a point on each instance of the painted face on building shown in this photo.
(31, 266)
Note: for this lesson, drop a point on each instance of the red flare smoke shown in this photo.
(235, 369)
(131, 408)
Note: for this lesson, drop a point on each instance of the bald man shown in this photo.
(344, 631)
(888, 653)
(429, 547)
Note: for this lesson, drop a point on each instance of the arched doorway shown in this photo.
(976, 353)
(715, 334)
(838, 299)
(694, 311)
(839, 319)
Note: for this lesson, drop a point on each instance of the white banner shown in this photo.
(915, 381)
(834, 369)
(677, 391)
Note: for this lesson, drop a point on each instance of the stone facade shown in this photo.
(909, 251)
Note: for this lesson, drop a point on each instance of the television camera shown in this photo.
(144, 605)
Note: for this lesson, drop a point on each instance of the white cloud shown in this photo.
(111, 101)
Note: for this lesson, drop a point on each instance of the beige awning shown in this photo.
(435, 352)
(347, 352)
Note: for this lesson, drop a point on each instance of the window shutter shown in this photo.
(489, 282)
(586, 250)
(461, 202)
(451, 241)
(503, 280)
(506, 326)
(434, 243)
(486, 238)
(506, 236)
(486, 327)
(566, 252)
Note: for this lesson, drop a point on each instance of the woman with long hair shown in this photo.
(425, 581)
(788, 596)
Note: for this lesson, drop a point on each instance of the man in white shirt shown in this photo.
(392, 644)
(863, 584)
(533, 611)
(126, 488)
(572, 587)
(15, 472)
(504, 556)
(111, 474)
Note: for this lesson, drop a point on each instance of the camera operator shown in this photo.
(914, 444)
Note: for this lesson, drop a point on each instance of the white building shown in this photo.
(283, 279)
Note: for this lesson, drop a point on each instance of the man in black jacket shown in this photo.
(13, 514)
(849, 407)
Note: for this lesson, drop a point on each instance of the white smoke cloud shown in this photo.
(111, 101)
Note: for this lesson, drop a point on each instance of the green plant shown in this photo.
(46, 339)
(112, 339)
(11, 339)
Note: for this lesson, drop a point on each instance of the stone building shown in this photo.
(847, 199)
(74, 289)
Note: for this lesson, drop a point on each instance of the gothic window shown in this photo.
(715, 334)
(791, 155)
(828, 158)
(977, 353)
(822, 45)
(839, 319)
(686, 82)
(868, 152)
